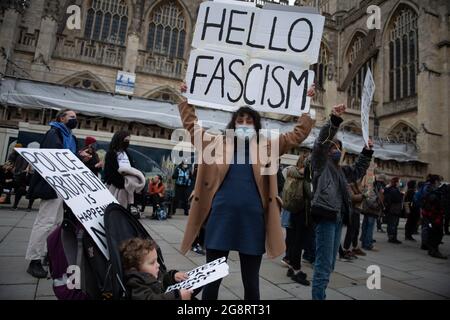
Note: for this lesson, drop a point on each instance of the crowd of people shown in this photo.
(234, 207)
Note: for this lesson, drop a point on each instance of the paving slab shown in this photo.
(13, 271)
(440, 288)
(406, 292)
(407, 271)
(363, 293)
(17, 292)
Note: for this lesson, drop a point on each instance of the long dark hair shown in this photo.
(160, 180)
(249, 111)
(117, 139)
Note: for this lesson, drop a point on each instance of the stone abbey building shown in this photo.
(409, 56)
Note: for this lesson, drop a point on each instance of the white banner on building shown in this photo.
(244, 55)
(125, 82)
(203, 275)
(80, 189)
(366, 102)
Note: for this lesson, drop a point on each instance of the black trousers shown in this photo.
(411, 222)
(435, 235)
(351, 236)
(181, 199)
(200, 238)
(250, 266)
(298, 240)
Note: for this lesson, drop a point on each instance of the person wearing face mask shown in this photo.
(182, 177)
(331, 200)
(122, 179)
(50, 213)
(237, 196)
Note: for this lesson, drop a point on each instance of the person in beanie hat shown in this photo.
(89, 155)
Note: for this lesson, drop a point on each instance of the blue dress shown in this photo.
(236, 220)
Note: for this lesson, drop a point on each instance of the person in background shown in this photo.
(412, 212)
(6, 182)
(431, 210)
(295, 191)
(182, 177)
(309, 252)
(199, 242)
(446, 204)
(393, 202)
(156, 190)
(351, 237)
(371, 214)
(50, 213)
(21, 177)
(124, 181)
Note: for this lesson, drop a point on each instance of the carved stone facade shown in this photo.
(409, 57)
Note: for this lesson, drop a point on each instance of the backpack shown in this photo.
(64, 250)
(161, 214)
(293, 193)
(371, 205)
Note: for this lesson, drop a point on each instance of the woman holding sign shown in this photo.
(239, 199)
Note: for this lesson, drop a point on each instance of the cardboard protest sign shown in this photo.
(203, 275)
(80, 189)
(244, 55)
(366, 102)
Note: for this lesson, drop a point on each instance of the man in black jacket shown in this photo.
(331, 200)
(51, 207)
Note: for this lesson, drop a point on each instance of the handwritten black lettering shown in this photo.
(247, 101)
(298, 82)
(277, 105)
(231, 28)
(310, 26)
(198, 75)
(221, 77)
(207, 24)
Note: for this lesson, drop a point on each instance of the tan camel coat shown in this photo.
(210, 177)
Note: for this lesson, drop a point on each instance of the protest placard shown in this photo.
(244, 55)
(366, 102)
(203, 275)
(80, 189)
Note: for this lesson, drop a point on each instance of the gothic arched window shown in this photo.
(403, 54)
(355, 89)
(167, 30)
(403, 133)
(355, 47)
(107, 20)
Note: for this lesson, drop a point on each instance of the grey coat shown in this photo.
(327, 177)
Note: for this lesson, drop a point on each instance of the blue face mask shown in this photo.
(336, 156)
(245, 132)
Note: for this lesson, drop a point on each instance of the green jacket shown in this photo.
(144, 286)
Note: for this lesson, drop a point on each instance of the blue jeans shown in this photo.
(367, 232)
(328, 239)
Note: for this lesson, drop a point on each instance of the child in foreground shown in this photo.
(143, 279)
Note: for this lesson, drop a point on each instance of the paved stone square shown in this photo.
(407, 272)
